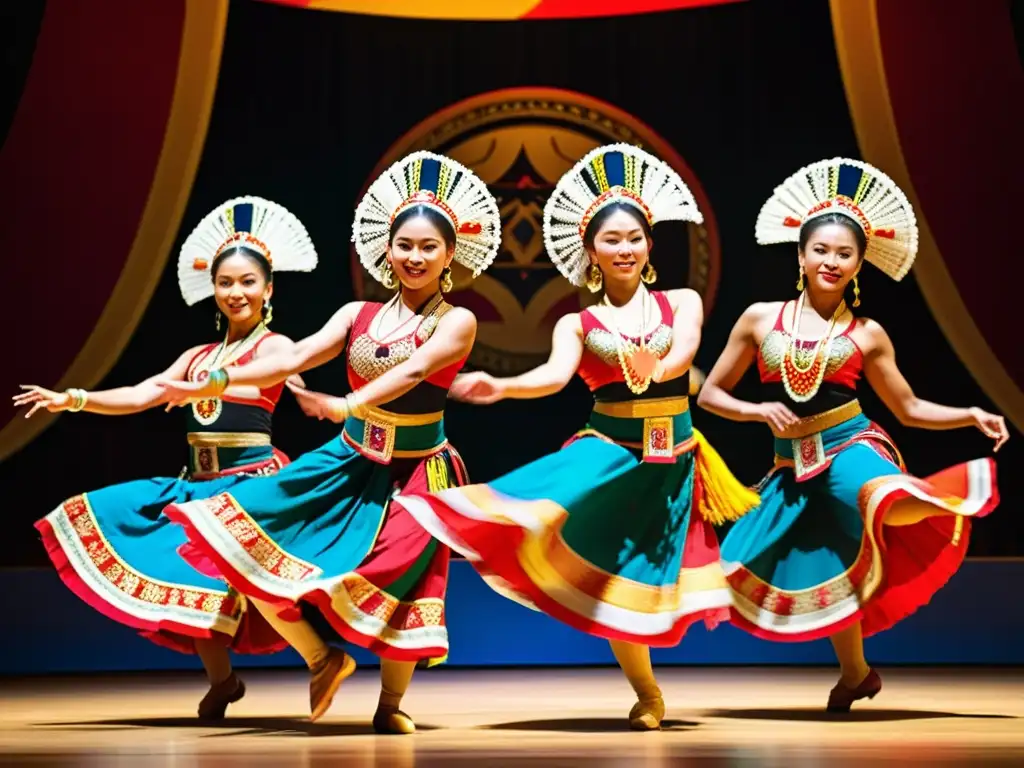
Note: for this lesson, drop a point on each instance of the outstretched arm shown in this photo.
(279, 362)
(451, 341)
(888, 381)
(688, 319)
(739, 354)
(121, 401)
(545, 379)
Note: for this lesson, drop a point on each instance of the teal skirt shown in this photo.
(818, 554)
(322, 535)
(595, 536)
(116, 550)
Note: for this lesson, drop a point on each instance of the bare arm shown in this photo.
(280, 360)
(688, 319)
(888, 381)
(737, 357)
(121, 401)
(552, 376)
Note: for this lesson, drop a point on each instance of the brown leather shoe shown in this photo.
(647, 714)
(326, 680)
(841, 698)
(215, 703)
(393, 721)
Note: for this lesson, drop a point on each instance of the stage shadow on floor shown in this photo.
(232, 726)
(809, 715)
(583, 725)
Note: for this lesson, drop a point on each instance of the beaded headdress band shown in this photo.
(260, 225)
(616, 173)
(448, 187)
(858, 191)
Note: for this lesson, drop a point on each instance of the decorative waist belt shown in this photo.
(650, 425)
(810, 444)
(215, 452)
(820, 422)
(381, 435)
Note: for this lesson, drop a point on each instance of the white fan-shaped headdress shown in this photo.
(253, 222)
(853, 188)
(424, 178)
(614, 173)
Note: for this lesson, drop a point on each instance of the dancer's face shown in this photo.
(620, 248)
(418, 252)
(830, 259)
(240, 288)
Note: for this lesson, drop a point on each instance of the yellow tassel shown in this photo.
(437, 474)
(725, 498)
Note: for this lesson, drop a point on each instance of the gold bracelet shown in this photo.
(354, 407)
(340, 410)
(79, 398)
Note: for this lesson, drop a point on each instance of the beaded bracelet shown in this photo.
(79, 397)
(218, 381)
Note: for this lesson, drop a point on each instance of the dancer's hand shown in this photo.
(40, 397)
(992, 426)
(181, 393)
(477, 387)
(776, 415)
(318, 405)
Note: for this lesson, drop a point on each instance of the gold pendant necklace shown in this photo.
(802, 381)
(636, 384)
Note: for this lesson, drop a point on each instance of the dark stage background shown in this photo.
(308, 102)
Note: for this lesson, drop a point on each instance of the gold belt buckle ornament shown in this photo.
(659, 440)
(378, 439)
(206, 459)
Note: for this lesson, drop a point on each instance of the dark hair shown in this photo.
(595, 224)
(240, 250)
(431, 214)
(841, 219)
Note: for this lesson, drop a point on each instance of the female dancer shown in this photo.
(113, 547)
(611, 534)
(321, 534)
(844, 543)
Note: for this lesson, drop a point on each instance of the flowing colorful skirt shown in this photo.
(597, 537)
(817, 555)
(321, 533)
(116, 550)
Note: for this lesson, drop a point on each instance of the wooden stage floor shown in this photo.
(537, 717)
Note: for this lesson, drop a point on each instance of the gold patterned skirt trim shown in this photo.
(644, 409)
(820, 422)
(228, 439)
(399, 419)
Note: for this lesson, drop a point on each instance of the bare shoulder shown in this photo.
(870, 336)
(684, 297)
(274, 343)
(761, 312)
(569, 323)
(459, 316)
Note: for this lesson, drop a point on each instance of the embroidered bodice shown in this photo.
(369, 358)
(231, 413)
(600, 368)
(842, 368)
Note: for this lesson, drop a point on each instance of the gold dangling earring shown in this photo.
(800, 282)
(217, 318)
(446, 280)
(856, 291)
(268, 313)
(595, 280)
(387, 276)
(649, 275)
